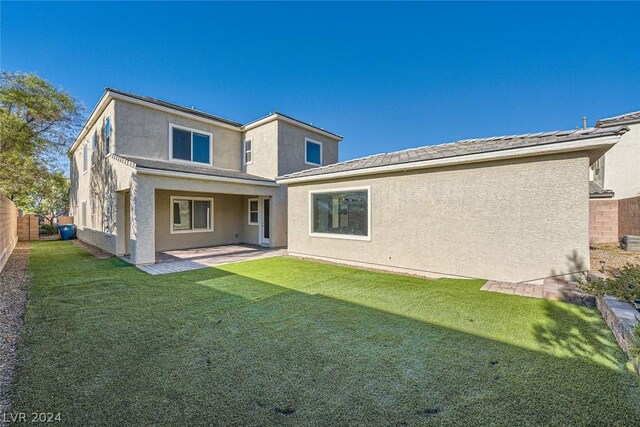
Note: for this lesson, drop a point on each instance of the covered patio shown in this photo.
(181, 260)
(174, 220)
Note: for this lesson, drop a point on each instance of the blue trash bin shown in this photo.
(67, 231)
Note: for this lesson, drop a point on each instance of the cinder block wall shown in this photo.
(28, 228)
(610, 219)
(8, 229)
(629, 216)
(603, 221)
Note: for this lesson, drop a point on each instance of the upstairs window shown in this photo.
(312, 152)
(107, 135)
(248, 159)
(190, 145)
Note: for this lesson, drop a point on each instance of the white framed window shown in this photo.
(190, 145)
(191, 214)
(246, 149)
(340, 213)
(312, 152)
(85, 158)
(107, 135)
(83, 213)
(253, 211)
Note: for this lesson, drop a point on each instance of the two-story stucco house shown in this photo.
(150, 176)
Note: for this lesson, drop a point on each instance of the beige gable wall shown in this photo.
(515, 220)
(144, 132)
(291, 148)
(622, 165)
(264, 143)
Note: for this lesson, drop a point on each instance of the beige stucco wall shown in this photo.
(107, 178)
(144, 132)
(146, 208)
(104, 177)
(228, 222)
(264, 143)
(291, 148)
(515, 220)
(622, 165)
(8, 229)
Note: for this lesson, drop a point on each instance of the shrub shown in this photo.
(624, 285)
(48, 229)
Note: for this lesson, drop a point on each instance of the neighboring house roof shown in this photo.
(619, 120)
(596, 191)
(467, 147)
(141, 164)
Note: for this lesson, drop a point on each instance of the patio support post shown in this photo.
(142, 222)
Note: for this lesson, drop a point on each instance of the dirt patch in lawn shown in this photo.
(13, 281)
(614, 257)
(95, 251)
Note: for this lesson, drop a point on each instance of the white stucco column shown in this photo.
(142, 220)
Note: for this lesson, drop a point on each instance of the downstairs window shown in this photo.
(341, 213)
(191, 214)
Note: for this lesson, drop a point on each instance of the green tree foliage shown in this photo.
(49, 197)
(38, 123)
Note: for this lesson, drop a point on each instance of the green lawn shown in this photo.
(284, 341)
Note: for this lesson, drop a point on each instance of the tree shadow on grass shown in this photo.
(234, 350)
(576, 331)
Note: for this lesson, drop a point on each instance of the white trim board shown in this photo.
(188, 175)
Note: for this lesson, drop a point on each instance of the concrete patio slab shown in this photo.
(550, 289)
(178, 261)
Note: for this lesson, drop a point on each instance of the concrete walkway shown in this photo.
(193, 259)
(550, 289)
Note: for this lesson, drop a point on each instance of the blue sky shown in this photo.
(385, 76)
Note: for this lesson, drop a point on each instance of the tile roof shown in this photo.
(199, 113)
(623, 118)
(459, 148)
(596, 191)
(191, 169)
(156, 101)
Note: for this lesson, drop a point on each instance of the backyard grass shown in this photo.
(290, 342)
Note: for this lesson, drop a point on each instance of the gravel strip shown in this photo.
(13, 281)
(95, 251)
(614, 257)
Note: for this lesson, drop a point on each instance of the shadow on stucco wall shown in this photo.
(102, 188)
